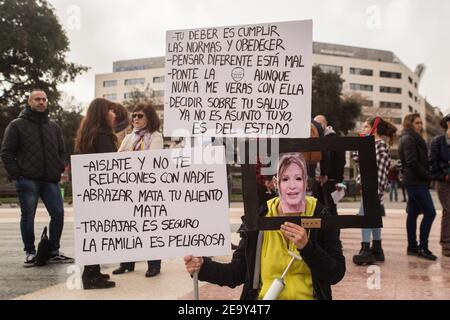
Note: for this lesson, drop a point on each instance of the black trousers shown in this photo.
(154, 264)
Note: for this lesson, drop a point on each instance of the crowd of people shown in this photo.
(33, 154)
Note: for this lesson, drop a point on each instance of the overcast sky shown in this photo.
(104, 31)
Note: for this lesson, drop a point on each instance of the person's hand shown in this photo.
(193, 264)
(323, 180)
(296, 234)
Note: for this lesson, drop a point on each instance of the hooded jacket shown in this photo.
(33, 147)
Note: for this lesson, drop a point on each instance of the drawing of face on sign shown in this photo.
(237, 74)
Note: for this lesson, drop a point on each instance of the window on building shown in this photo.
(158, 79)
(388, 74)
(415, 98)
(390, 90)
(158, 93)
(367, 103)
(110, 96)
(410, 109)
(410, 94)
(410, 80)
(415, 85)
(361, 71)
(392, 105)
(134, 82)
(397, 120)
(328, 68)
(128, 95)
(109, 83)
(361, 87)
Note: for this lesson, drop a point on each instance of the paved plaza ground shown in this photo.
(400, 277)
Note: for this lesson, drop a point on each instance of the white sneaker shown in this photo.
(30, 260)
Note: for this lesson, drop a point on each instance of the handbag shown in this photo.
(43, 250)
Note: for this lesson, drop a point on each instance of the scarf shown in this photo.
(141, 139)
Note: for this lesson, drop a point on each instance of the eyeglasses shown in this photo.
(39, 99)
(137, 115)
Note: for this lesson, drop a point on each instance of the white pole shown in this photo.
(196, 285)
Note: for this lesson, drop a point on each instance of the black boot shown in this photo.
(124, 267)
(365, 255)
(97, 282)
(104, 276)
(377, 250)
(93, 279)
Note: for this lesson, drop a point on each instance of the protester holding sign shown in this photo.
(262, 256)
(377, 127)
(145, 136)
(96, 135)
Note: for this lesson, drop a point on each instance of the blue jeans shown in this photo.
(419, 201)
(28, 192)
(376, 232)
(393, 191)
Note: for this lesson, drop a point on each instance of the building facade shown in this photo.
(387, 86)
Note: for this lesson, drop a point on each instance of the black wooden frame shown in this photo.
(368, 170)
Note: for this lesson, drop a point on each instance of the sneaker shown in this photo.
(426, 254)
(30, 260)
(60, 258)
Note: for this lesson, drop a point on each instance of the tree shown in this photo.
(68, 117)
(341, 112)
(136, 96)
(33, 48)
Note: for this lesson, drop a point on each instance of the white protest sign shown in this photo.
(239, 81)
(147, 205)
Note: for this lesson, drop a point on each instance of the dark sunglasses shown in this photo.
(137, 115)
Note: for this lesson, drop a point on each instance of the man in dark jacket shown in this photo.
(333, 167)
(33, 152)
(416, 178)
(440, 172)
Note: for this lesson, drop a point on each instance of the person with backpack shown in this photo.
(379, 128)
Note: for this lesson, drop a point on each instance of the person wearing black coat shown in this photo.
(259, 258)
(416, 178)
(33, 154)
(440, 172)
(96, 135)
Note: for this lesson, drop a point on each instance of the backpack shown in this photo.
(313, 157)
(43, 250)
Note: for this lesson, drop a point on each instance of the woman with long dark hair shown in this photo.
(96, 135)
(379, 128)
(413, 153)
